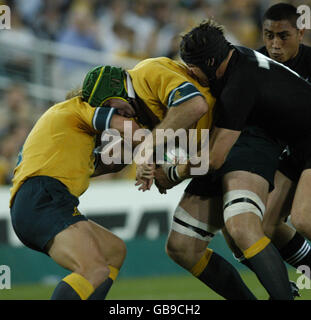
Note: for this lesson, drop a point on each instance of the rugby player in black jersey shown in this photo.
(247, 100)
(282, 41)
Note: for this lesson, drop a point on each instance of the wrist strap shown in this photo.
(173, 174)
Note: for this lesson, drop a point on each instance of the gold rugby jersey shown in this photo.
(61, 145)
(163, 83)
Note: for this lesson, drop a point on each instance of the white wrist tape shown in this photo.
(171, 172)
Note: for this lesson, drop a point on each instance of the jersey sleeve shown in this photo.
(234, 107)
(102, 117)
(182, 93)
(95, 119)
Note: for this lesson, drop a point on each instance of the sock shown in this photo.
(266, 262)
(297, 251)
(221, 276)
(101, 292)
(73, 287)
(244, 261)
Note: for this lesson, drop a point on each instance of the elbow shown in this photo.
(201, 109)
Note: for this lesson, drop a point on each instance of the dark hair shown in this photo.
(205, 46)
(282, 11)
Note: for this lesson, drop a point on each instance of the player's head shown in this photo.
(205, 46)
(103, 83)
(280, 33)
(106, 86)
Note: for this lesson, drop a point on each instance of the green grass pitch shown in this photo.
(181, 287)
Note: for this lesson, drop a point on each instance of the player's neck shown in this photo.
(223, 66)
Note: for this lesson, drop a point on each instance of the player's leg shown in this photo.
(245, 195)
(293, 247)
(93, 254)
(61, 231)
(286, 239)
(301, 209)
(195, 222)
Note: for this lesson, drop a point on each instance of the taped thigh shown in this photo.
(185, 224)
(242, 201)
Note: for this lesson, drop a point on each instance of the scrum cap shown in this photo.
(103, 83)
(205, 46)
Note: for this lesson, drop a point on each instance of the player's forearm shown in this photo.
(183, 116)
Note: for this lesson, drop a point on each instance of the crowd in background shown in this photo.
(134, 29)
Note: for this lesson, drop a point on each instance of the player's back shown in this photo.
(60, 145)
(274, 96)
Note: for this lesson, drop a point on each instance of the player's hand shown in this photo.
(162, 180)
(144, 176)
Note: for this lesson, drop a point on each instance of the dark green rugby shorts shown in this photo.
(254, 152)
(41, 209)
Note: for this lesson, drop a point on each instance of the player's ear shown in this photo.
(301, 33)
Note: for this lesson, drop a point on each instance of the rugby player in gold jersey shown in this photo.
(54, 168)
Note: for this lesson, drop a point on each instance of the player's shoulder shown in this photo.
(306, 50)
(72, 107)
(160, 63)
(262, 50)
(241, 62)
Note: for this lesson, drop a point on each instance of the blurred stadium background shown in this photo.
(47, 51)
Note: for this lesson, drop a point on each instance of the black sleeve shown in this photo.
(235, 105)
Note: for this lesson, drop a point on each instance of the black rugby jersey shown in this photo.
(301, 63)
(262, 92)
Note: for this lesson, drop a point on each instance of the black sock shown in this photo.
(101, 292)
(64, 291)
(244, 261)
(297, 251)
(266, 262)
(223, 278)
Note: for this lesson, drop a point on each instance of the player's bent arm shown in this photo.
(185, 114)
(221, 142)
(182, 116)
(117, 122)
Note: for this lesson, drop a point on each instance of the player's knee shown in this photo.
(270, 228)
(176, 250)
(236, 230)
(243, 213)
(299, 221)
(244, 229)
(188, 238)
(172, 247)
(121, 251)
(117, 252)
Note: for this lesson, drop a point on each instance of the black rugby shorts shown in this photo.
(41, 209)
(254, 152)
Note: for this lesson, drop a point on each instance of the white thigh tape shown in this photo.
(242, 201)
(185, 224)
